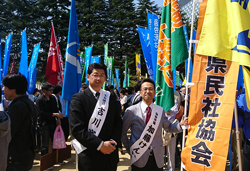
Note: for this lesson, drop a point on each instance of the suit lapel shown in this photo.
(140, 114)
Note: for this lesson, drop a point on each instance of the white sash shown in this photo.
(97, 119)
(147, 136)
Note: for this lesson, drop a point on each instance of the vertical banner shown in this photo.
(32, 69)
(23, 67)
(172, 51)
(83, 65)
(95, 59)
(128, 77)
(113, 79)
(125, 74)
(54, 68)
(105, 53)
(153, 27)
(110, 62)
(13, 67)
(117, 79)
(246, 74)
(72, 74)
(186, 61)
(138, 67)
(145, 44)
(88, 54)
(211, 110)
(7, 49)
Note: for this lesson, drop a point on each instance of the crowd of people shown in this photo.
(99, 120)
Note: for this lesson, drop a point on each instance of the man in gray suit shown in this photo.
(146, 121)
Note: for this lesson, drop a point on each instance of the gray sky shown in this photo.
(159, 2)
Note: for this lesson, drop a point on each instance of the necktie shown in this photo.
(148, 114)
(97, 94)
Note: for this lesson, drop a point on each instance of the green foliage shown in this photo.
(99, 22)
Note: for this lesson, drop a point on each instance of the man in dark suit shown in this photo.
(101, 152)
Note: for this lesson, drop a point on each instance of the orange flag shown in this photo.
(211, 110)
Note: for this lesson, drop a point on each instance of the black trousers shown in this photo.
(246, 155)
(150, 166)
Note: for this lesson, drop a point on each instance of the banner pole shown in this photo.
(237, 136)
(187, 77)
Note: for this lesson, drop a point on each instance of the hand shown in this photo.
(58, 122)
(59, 115)
(108, 147)
(184, 121)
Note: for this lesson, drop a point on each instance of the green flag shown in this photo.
(110, 64)
(105, 53)
(128, 76)
(172, 51)
(83, 64)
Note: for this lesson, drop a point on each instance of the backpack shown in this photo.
(35, 128)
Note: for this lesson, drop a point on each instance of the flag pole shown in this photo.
(187, 76)
(237, 136)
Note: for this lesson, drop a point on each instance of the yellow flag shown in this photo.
(138, 67)
(225, 31)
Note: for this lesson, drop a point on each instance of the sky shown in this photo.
(159, 2)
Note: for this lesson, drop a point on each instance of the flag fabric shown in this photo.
(145, 44)
(226, 26)
(72, 73)
(88, 55)
(83, 65)
(117, 79)
(110, 64)
(54, 68)
(95, 59)
(172, 51)
(153, 27)
(23, 67)
(186, 61)
(138, 67)
(128, 77)
(211, 110)
(125, 81)
(240, 83)
(7, 49)
(13, 68)
(32, 69)
(246, 74)
(105, 53)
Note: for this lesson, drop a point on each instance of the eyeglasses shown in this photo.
(147, 89)
(98, 76)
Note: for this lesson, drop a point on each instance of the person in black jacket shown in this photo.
(20, 152)
(47, 106)
(101, 150)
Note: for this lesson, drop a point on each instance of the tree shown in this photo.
(92, 23)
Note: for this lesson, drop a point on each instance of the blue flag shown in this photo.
(154, 28)
(88, 54)
(186, 61)
(23, 67)
(72, 73)
(7, 54)
(95, 59)
(117, 79)
(31, 78)
(145, 44)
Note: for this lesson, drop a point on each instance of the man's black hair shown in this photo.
(97, 66)
(123, 91)
(130, 90)
(111, 87)
(84, 86)
(35, 90)
(46, 86)
(16, 81)
(57, 89)
(137, 86)
(147, 80)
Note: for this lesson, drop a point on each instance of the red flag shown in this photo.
(54, 68)
(13, 68)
